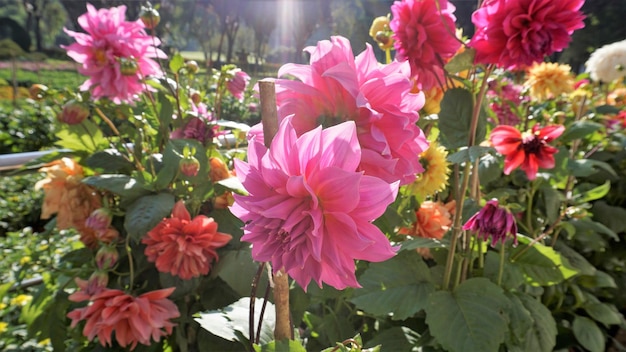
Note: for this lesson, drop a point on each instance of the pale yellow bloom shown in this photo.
(21, 300)
(548, 80)
(44, 342)
(435, 175)
(380, 32)
(2, 306)
(25, 260)
(3, 326)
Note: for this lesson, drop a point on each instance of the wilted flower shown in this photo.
(338, 87)
(237, 84)
(608, 63)
(73, 113)
(549, 80)
(309, 210)
(381, 33)
(66, 195)
(493, 221)
(516, 34)
(110, 45)
(133, 319)
(530, 149)
(424, 34)
(182, 246)
(435, 175)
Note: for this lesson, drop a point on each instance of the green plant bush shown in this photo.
(27, 127)
(20, 203)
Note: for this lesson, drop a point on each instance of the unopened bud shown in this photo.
(189, 166)
(107, 257)
(108, 236)
(192, 66)
(128, 66)
(150, 17)
(99, 219)
(97, 281)
(37, 91)
(73, 113)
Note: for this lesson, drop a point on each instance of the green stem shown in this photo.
(130, 262)
(456, 229)
(501, 267)
(529, 207)
(481, 257)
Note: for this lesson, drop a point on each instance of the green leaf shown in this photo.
(281, 346)
(146, 212)
(177, 62)
(421, 242)
(605, 313)
(611, 216)
(520, 320)
(231, 322)
(398, 338)
(541, 265)
(541, 336)
(237, 269)
(86, 136)
(110, 161)
(588, 227)
(552, 202)
(455, 118)
(476, 152)
(461, 62)
(471, 318)
(588, 334)
(577, 261)
(580, 129)
(588, 167)
(125, 186)
(512, 276)
(489, 169)
(594, 193)
(460, 157)
(399, 286)
(233, 184)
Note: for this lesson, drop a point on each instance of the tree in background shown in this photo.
(261, 17)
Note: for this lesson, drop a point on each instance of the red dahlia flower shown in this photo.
(184, 247)
(513, 34)
(424, 34)
(493, 221)
(530, 149)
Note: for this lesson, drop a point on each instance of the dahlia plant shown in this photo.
(453, 198)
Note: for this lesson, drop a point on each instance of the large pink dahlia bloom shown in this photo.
(424, 34)
(115, 54)
(309, 211)
(514, 34)
(338, 87)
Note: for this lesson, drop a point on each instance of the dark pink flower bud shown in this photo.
(73, 113)
(99, 220)
(97, 282)
(189, 166)
(107, 257)
(237, 84)
(493, 221)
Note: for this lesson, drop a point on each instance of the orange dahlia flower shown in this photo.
(182, 246)
(433, 220)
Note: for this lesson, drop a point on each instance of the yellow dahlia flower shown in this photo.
(435, 175)
(548, 80)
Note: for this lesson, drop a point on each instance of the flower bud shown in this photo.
(106, 257)
(218, 171)
(73, 113)
(150, 17)
(189, 166)
(37, 91)
(128, 66)
(192, 66)
(108, 235)
(99, 219)
(237, 84)
(196, 97)
(97, 281)
(380, 32)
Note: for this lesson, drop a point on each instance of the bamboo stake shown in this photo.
(269, 118)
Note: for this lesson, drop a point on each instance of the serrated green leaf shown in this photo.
(86, 137)
(146, 212)
(398, 338)
(512, 276)
(520, 320)
(399, 286)
(455, 118)
(471, 318)
(176, 62)
(541, 264)
(489, 169)
(460, 157)
(125, 186)
(461, 62)
(575, 259)
(237, 269)
(281, 346)
(541, 336)
(111, 161)
(588, 334)
(580, 129)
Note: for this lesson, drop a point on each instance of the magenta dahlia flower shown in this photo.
(493, 221)
(424, 34)
(514, 34)
(309, 210)
(115, 54)
(338, 87)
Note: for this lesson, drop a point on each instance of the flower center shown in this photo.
(531, 144)
(100, 57)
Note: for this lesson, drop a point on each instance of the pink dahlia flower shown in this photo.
(115, 54)
(133, 319)
(238, 83)
(338, 87)
(182, 246)
(309, 210)
(528, 150)
(424, 34)
(514, 34)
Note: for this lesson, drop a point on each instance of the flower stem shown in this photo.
(130, 262)
(501, 267)
(456, 229)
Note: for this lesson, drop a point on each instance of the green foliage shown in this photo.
(29, 127)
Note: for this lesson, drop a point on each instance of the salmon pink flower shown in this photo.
(182, 246)
(424, 34)
(530, 149)
(309, 210)
(133, 319)
(514, 34)
(338, 87)
(115, 54)
(493, 221)
(237, 84)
